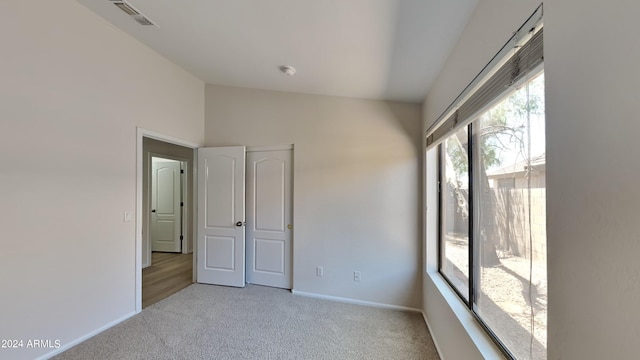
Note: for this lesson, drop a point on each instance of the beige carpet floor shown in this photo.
(214, 322)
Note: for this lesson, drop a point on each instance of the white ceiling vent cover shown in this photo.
(133, 12)
(143, 20)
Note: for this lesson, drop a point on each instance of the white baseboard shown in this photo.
(435, 342)
(77, 341)
(354, 301)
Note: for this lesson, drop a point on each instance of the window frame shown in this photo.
(473, 276)
(441, 180)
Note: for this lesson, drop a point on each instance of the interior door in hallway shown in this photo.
(269, 226)
(221, 205)
(166, 214)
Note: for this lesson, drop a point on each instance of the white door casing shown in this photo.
(166, 212)
(221, 211)
(269, 215)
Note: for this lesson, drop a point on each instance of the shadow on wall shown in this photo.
(405, 116)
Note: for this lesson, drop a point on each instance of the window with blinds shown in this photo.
(492, 195)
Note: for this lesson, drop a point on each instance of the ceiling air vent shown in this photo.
(143, 20)
(131, 11)
(126, 8)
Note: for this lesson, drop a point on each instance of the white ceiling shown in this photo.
(375, 49)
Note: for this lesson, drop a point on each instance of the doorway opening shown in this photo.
(166, 218)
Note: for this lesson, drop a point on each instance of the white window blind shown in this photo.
(480, 94)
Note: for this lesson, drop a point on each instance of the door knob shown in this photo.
(154, 210)
(239, 223)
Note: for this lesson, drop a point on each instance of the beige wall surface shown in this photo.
(591, 57)
(356, 185)
(591, 99)
(73, 90)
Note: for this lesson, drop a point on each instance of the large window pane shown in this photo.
(510, 220)
(454, 213)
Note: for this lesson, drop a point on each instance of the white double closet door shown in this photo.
(244, 216)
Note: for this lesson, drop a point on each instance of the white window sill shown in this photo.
(478, 336)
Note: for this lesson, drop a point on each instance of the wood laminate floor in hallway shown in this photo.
(168, 274)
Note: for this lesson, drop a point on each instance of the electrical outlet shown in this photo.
(357, 276)
(319, 271)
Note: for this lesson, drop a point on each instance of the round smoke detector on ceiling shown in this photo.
(288, 70)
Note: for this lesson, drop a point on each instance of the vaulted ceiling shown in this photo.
(375, 49)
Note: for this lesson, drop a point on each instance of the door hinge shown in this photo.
(181, 237)
(181, 203)
(439, 186)
(181, 171)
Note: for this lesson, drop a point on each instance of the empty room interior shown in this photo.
(372, 172)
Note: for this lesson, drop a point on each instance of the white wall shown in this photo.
(356, 185)
(591, 53)
(72, 91)
(592, 178)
